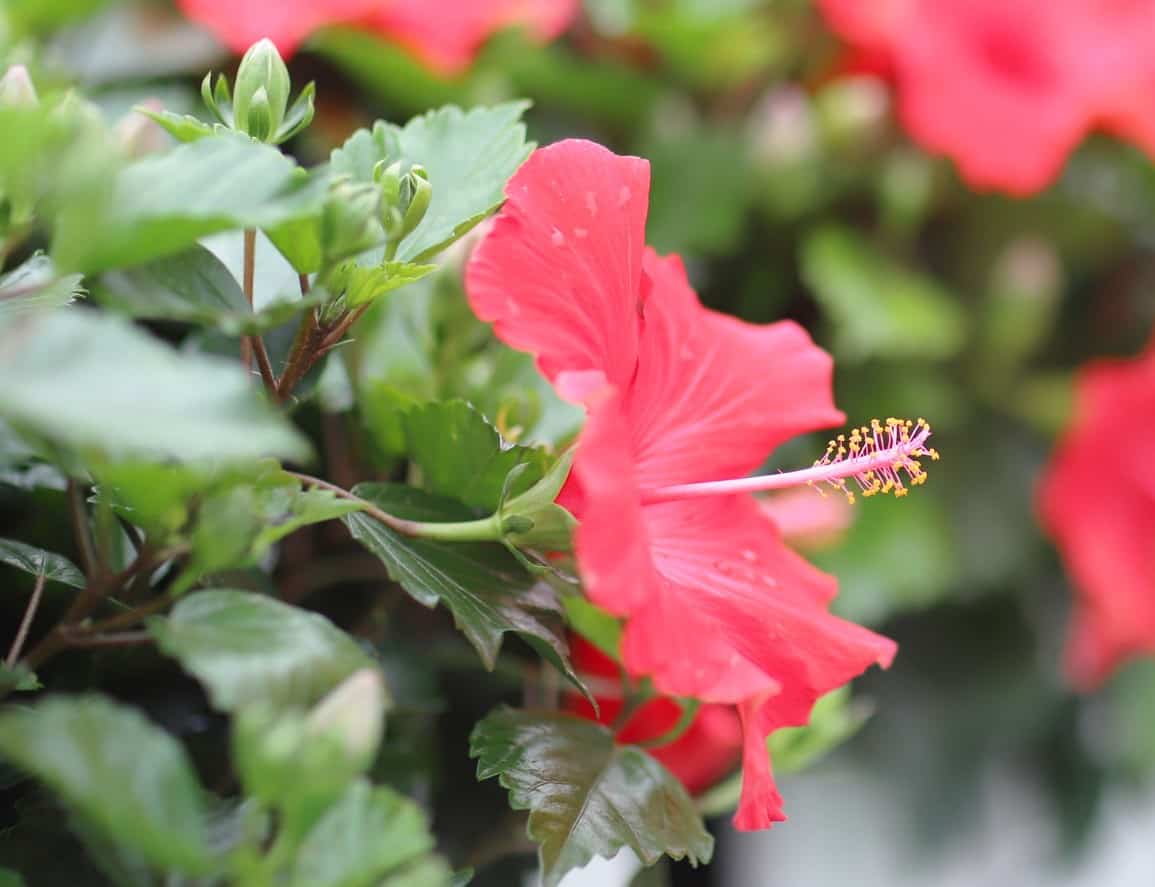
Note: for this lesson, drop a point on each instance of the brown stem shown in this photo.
(247, 274)
(408, 527)
(121, 639)
(301, 356)
(26, 622)
(89, 560)
(257, 344)
(68, 635)
(337, 332)
(95, 591)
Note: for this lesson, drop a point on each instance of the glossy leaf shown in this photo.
(89, 380)
(586, 795)
(246, 647)
(486, 589)
(36, 561)
(462, 456)
(91, 751)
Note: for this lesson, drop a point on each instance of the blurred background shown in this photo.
(782, 175)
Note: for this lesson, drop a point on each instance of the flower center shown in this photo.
(879, 458)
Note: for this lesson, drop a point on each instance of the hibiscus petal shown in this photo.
(240, 23)
(668, 637)
(1098, 502)
(723, 558)
(713, 395)
(448, 34)
(760, 805)
(559, 274)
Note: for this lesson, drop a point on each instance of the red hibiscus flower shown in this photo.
(1097, 500)
(1007, 90)
(444, 35)
(683, 402)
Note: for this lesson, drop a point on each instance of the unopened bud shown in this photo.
(388, 178)
(416, 192)
(853, 112)
(349, 220)
(259, 120)
(404, 197)
(534, 518)
(218, 99)
(138, 134)
(261, 93)
(16, 89)
(782, 131)
(353, 713)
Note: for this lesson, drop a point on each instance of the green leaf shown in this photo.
(366, 284)
(246, 647)
(163, 203)
(469, 156)
(484, 586)
(835, 718)
(54, 567)
(126, 778)
(228, 516)
(86, 379)
(430, 871)
(34, 286)
(462, 456)
(10, 878)
(369, 833)
(18, 678)
(879, 308)
(182, 127)
(586, 795)
(594, 624)
(193, 287)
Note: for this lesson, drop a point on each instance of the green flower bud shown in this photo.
(260, 116)
(388, 179)
(404, 197)
(353, 714)
(349, 220)
(16, 89)
(261, 94)
(217, 98)
(416, 192)
(533, 518)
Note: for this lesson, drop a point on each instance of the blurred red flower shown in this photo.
(718, 608)
(1097, 500)
(444, 35)
(1008, 89)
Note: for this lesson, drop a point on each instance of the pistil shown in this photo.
(880, 458)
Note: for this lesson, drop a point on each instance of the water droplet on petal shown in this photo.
(624, 195)
(592, 203)
(581, 233)
(557, 237)
(750, 554)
